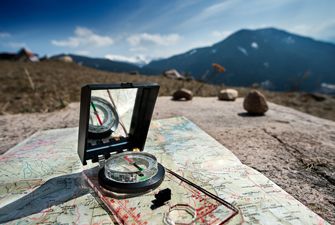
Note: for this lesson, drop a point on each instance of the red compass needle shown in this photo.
(130, 161)
(96, 113)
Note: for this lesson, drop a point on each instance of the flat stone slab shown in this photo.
(44, 184)
(293, 149)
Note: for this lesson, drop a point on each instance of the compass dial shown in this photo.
(103, 119)
(131, 172)
(131, 167)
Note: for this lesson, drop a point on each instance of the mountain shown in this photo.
(102, 64)
(274, 58)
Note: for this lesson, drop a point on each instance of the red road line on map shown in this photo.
(198, 194)
(130, 213)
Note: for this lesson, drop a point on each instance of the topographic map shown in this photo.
(42, 179)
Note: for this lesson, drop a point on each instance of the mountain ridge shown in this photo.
(272, 58)
(284, 60)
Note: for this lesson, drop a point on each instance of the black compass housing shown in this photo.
(143, 109)
(131, 188)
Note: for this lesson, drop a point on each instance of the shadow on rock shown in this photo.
(245, 114)
(180, 100)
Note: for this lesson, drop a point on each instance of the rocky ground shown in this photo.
(294, 149)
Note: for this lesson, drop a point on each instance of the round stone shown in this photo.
(255, 103)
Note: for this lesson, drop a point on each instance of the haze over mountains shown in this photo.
(102, 64)
(277, 59)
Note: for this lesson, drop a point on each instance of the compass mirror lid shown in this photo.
(114, 118)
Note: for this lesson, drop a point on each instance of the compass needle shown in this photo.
(96, 113)
(133, 163)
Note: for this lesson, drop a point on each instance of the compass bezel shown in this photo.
(149, 171)
(129, 188)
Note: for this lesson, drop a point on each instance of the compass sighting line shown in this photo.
(96, 113)
(120, 120)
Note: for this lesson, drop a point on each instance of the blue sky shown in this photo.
(145, 29)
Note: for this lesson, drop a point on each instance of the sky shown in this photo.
(142, 30)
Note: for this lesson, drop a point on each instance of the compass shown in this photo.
(103, 118)
(123, 166)
(119, 169)
(131, 172)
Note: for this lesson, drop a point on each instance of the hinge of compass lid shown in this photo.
(101, 159)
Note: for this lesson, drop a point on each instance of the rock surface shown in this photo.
(255, 103)
(183, 94)
(228, 95)
(65, 58)
(294, 149)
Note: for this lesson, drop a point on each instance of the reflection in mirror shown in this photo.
(110, 115)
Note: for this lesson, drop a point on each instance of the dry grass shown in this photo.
(51, 85)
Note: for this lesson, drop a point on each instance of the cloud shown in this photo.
(242, 7)
(217, 8)
(233, 12)
(158, 39)
(70, 42)
(4, 34)
(221, 34)
(325, 30)
(210, 12)
(138, 49)
(83, 52)
(17, 45)
(139, 59)
(328, 31)
(84, 36)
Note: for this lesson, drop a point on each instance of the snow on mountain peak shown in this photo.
(243, 50)
(193, 51)
(289, 40)
(139, 60)
(254, 45)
